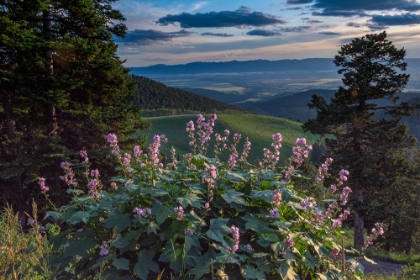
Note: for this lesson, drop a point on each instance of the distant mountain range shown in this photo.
(309, 64)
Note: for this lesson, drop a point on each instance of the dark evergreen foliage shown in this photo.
(63, 88)
(372, 149)
(154, 95)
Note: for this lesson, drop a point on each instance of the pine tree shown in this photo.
(371, 149)
(63, 88)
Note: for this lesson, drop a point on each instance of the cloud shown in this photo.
(403, 19)
(298, 2)
(312, 21)
(355, 24)
(265, 33)
(329, 33)
(150, 37)
(216, 34)
(359, 7)
(241, 17)
(293, 28)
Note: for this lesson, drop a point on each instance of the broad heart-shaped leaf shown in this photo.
(145, 264)
(218, 229)
(118, 221)
(79, 216)
(251, 273)
(258, 225)
(286, 270)
(235, 177)
(79, 247)
(53, 214)
(234, 196)
(190, 199)
(121, 263)
(161, 212)
(172, 254)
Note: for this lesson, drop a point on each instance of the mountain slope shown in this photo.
(152, 95)
(257, 128)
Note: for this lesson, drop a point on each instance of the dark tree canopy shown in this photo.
(372, 149)
(62, 88)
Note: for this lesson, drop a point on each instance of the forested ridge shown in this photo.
(151, 95)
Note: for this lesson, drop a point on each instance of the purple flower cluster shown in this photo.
(245, 151)
(335, 254)
(114, 186)
(95, 184)
(142, 212)
(308, 202)
(289, 242)
(179, 211)
(126, 160)
(301, 151)
(323, 169)
(210, 175)
(154, 150)
(233, 157)
(188, 157)
(189, 232)
(104, 249)
(275, 201)
(271, 158)
(113, 143)
(68, 173)
(84, 156)
(137, 153)
(204, 131)
(342, 176)
(220, 141)
(376, 231)
(41, 183)
(235, 235)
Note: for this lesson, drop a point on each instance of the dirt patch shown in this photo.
(381, 267)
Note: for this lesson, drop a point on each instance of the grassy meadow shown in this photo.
(257, 128)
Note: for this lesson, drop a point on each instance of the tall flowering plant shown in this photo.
(203, 218)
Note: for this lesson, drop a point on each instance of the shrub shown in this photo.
(202, 218)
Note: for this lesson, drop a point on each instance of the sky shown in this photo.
(179, 32)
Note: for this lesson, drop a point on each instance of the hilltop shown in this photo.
(152, 95)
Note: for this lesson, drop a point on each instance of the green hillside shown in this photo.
(152, 95)
(257, 128)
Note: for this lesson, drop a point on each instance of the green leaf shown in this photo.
(145, 264)
(121, 263)
(251, 273)
(235, 177)
(152, 227)
(79, 247)
(369, 260)
(53, 214)
(201, 269)
(234, 196)
(190, 199)
(218, 229)
(286, 270)
(79, 216)
(161, 213)
(118, 221)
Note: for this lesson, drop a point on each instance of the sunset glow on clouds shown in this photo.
(178, 32)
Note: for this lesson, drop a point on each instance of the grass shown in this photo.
(259, 129)
(22, 255)
(411, 263)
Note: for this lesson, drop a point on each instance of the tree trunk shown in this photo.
(7, 109)
(51, 111)
(359, 219)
